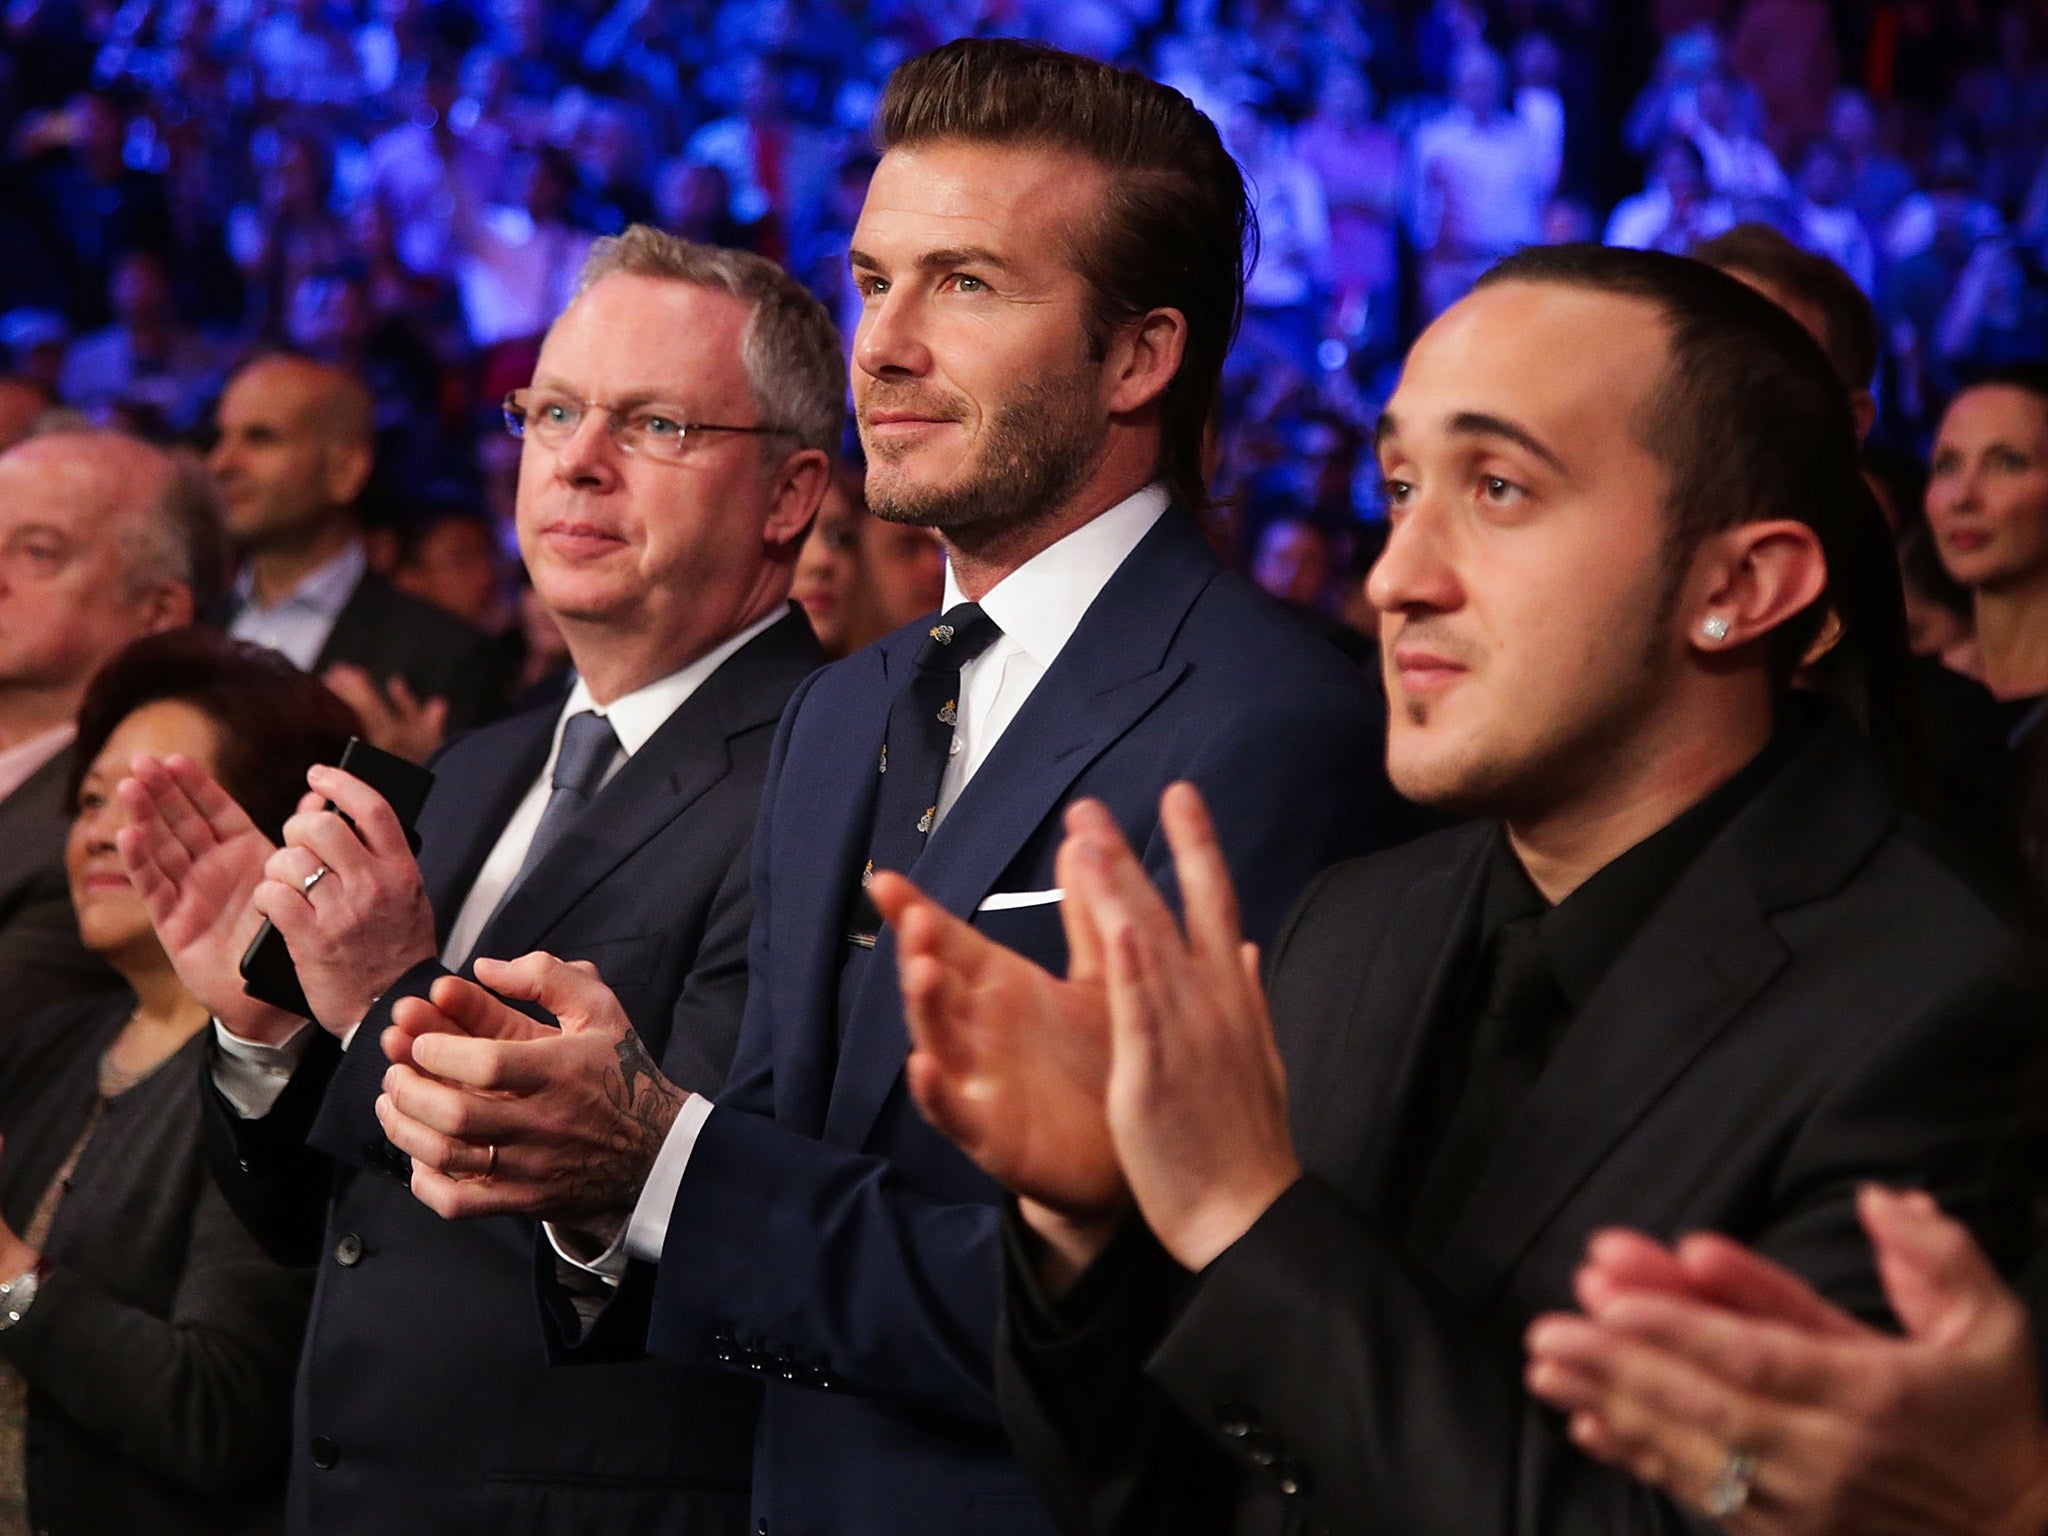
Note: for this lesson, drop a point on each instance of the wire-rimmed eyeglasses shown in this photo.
(656, 430)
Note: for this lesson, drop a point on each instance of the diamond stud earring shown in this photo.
(1714, 627)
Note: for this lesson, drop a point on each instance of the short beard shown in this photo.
(1042, 444)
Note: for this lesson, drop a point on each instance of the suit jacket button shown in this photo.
(324, 1451)
(760, 1528)
(348, 1251)
(1290, 1479)
(1260, 1450)
(1236, 1421)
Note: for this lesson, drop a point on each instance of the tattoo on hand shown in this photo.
(644, 1106)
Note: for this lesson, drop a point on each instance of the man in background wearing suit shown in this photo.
(1696, 968)
(676, 438)
(1051, 262)
(295, 450)
(103, 538)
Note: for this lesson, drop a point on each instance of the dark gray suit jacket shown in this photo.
(389, 633)
(41, 960)
(1818, 1001)
(425, 1402)
(160, 1348)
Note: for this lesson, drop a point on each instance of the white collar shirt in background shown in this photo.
(300, 622)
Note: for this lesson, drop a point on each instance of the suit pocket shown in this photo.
(1036, 932)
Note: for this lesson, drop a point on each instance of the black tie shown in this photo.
(1510, 1042)
(588, 746)
(919, 739)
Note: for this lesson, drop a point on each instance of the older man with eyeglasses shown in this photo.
(676, 440)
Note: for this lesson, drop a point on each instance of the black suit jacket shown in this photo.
(425, 1402)
(160, 1348)
(1817, 1001)
(389, 633)
(41, 960)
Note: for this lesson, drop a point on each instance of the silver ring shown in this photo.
(1731, 1487)
(313, 879)
(490, 1160)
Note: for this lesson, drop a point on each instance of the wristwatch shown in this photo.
(18, 1295)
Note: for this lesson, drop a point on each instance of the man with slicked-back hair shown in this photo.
(1051, 262)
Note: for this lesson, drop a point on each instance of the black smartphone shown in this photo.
(267, 971)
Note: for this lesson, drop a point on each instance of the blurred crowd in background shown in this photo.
(406, 188)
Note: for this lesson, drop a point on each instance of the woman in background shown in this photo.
(147, 1346)
(858, 577)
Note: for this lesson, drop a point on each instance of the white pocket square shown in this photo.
(1006, 901)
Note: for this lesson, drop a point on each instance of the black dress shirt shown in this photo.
(1496, 1049)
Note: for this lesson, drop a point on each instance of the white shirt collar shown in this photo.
(1040, 604)
(323, 590)
(638, 715)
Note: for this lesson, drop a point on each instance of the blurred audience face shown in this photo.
(1987, 488)
(71, 507)
(977, 399)
(111, 920)
(293, 451)
(1345, 97)
(1525, 626)
(1679, 172)
(456, 564)
(628, 544)
(1852, 122)
(140, 293)
(1824, 174)
(829, 572)
(906, 567)
(1478, 81)
(1293, 562)
(20, 404)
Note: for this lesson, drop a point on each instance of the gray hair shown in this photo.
(180, 538)
(790, 347)
(176, 535)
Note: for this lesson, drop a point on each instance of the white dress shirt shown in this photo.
(299, 623)
(252, 1075)
(1037, 607)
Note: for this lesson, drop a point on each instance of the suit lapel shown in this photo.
(1351, 1087)
(1113, 670)
(354, 628)
(657, 784)
(458, 835)
(1698, 961)
(32, 818)
(824, 805)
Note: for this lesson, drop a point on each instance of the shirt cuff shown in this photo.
(648, 1229)
(609, 1265)
(251, 1075)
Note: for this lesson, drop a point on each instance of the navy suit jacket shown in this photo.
(425, 1402)
(824, 1236)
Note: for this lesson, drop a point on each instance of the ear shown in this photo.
(1863, 406)
(1752, 578)
(347, 467)
(167, 605)
(1144, 355)
(795, 491)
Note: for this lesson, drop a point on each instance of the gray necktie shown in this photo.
(588, 746)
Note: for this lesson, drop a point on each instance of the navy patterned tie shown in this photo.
(920, 737)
